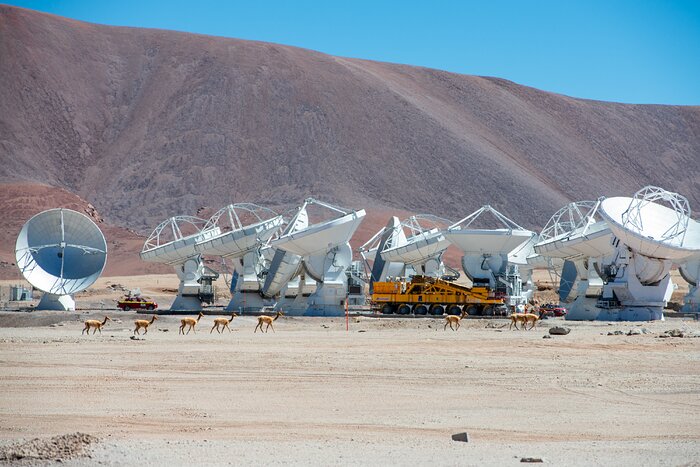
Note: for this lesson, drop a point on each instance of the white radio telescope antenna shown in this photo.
(245, 228)
(173, 242)
(325, 252)
(486, 252)
(60, 252)
(653, 230)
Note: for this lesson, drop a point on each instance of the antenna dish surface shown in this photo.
(318, 238)
(167, 244)
(61, 251)
(650, 228)
(247, 225)
(492, 241)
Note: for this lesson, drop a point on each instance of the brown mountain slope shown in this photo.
(145, 124)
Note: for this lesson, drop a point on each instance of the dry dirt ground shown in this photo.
(390, 391)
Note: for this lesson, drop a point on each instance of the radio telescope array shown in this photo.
(486, 253)
(60, 252)
(619, 251)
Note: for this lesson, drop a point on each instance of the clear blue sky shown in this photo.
(639, 51)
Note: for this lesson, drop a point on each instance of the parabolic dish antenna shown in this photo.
(317, 238)
(650, 228)
(486, 251)
(425, 241)
(244, 227)
(325, 250)
(573, 232)
(174, 242)
(497, 241)
(60, 252)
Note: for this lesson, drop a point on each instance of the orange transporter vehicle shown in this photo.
(426, 295)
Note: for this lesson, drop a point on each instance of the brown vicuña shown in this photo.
(267, 319)
(531, 318)
(191, 322)
(516, 318)
(223, 322)
(97, 325)
(454, 319)
(143, 323)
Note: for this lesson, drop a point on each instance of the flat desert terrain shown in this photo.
(390, 391)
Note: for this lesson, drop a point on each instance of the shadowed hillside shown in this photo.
(145, 124)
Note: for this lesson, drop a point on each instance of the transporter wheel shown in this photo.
(127, 308)
(149, 307)
(454, 310)
(490, 310)
(405, 309)
(421, 310)
(437, 310)
(472, 310)
(387, 309)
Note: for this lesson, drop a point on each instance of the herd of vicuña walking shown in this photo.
(220, 324)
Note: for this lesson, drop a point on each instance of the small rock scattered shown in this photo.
(536, 460)
(464, 437)
(559, 331)
(616, 333)
(134, 338)
(546, 336)
(634, 332)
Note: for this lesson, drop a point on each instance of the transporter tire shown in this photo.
(454, 310)
(127, 308)
(490, 310)
(437, 310)
(420, 310)
(387, 309)
(472, 310)
(404, 309)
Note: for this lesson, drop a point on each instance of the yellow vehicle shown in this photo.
(426, 295)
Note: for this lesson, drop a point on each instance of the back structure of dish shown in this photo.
(173, 242)
(576, 235)
(245, 229)
(652, 231)
(325, 254)
(486, 251)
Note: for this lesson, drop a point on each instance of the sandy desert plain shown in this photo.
(390, 391)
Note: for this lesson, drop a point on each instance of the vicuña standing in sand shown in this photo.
(191, 322)
(93, 323)
(143, 323)
(267, 319)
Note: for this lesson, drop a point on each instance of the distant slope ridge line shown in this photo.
(146, 124)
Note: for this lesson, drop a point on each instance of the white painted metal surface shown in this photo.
(61, 251)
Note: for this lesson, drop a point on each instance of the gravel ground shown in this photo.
(390, 392)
